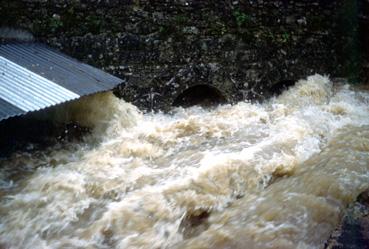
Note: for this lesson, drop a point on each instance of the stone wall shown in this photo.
(364, 37)
(163, 47)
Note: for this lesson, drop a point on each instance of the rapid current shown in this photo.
(277, 174)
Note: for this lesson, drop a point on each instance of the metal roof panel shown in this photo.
(33, 76)
(27, 90)
(59, 68)
(8, 110)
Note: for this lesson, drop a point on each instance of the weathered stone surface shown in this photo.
(364, 36)
(163, 47)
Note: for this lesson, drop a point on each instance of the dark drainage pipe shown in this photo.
(281, 86)
(203, 95)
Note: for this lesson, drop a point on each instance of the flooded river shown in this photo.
(273, 175)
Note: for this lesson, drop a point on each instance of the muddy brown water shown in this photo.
(273, 175)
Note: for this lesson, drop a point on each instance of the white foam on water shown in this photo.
(270, 175)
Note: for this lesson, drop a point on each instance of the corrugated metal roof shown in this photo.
(8, 110)
(33, 76)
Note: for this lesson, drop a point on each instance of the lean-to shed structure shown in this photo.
(34, 76)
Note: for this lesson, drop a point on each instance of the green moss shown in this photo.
(166, 30)
(217, 28)
(285, 37)
(180, 20)
(54, 24)
(241, 18)
(70, 18)
(174, 29)
(94, 24)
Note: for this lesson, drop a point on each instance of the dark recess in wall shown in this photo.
(281, 86)
(203, 95)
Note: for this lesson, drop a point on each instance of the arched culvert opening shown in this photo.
(281, 86)
(203, 95)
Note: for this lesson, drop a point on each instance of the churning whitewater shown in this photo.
(273, 175)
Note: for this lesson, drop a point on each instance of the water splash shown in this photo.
(271, 175)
